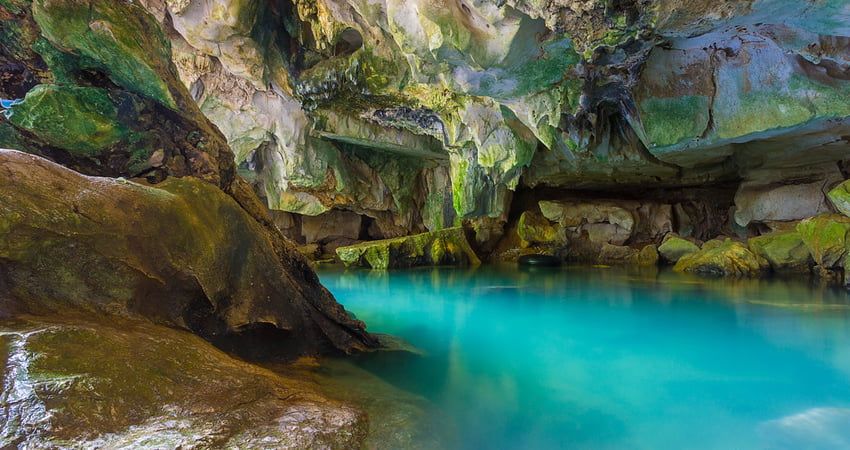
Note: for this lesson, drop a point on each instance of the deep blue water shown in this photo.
(603, 359)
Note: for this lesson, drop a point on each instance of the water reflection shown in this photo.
(605, 358)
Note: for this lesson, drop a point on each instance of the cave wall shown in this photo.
(385, 108)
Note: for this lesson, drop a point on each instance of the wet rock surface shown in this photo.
(181, 253)
(130, 384)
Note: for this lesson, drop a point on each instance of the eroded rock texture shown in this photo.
(127, 384)
(92, 85)
(419, 114)
(182, 253)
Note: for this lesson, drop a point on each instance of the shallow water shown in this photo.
(602, 359)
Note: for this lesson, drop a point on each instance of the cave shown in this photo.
(417, 224)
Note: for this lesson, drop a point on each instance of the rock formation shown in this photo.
(96, 90)
(379, 109)
(127, 384)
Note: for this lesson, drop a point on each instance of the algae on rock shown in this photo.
(785, 251)
(443, 247)
(723, 258)
(840, 198)
(673, 248)
(181, 253)
(827, 238)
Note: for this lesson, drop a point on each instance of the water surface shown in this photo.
(600, 359)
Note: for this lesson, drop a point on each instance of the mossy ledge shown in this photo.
(443, 247)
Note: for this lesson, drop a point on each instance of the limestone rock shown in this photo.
(603, 222)
(622, 255)
(726, 258)
(827, 237)
(132, 384)
(673, 248)
(302, 93)
(331, 225)
(758, 203)
(785, 251)
(181, 253)
(840, 198)
(536, 229)
(444, 247)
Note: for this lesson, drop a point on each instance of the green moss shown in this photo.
(723, 258)
(791, 104)
(443, 247)
(826, 236)
(532, 227)
(669, 121)
(547, 70)
(81, 120)
(674, 248)
(120, 38)
(62, 65)
(840, 198)
(459, 168)
(785, 251)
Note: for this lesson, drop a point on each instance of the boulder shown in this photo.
(827, 237)
(131, 384)
(533, 228)
(673, 248)
(181, 253)
(622, 255)
(444, 247)
(784, 202)
(723, 258)
(603, 222)
(331, 225)
(784, 250)
(840, 198)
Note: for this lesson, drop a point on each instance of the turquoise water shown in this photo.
(603, 359)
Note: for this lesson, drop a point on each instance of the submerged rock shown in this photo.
(784, 250)
(673, 248)
(444, 247)
(723, 258)
(181, 253)
(840, 198)
(128, 384)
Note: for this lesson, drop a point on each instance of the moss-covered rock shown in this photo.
(81, 120)
(784, 250)
(128, 384)
(120, 38)
(443, 247)
(536, 229)
(723, 258)
(621, 255)
(673, 248)
(182, 253)
(840, 198)
(827, 237)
